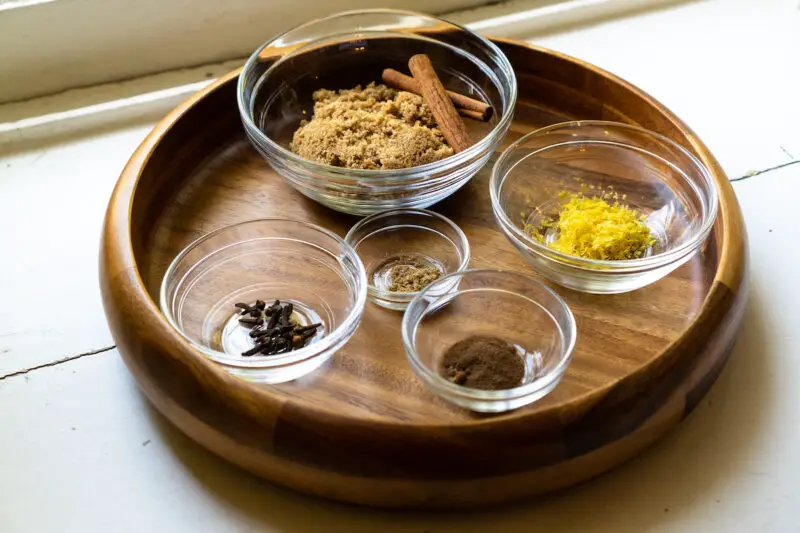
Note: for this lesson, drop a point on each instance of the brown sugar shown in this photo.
(373, 127)
(482, 362)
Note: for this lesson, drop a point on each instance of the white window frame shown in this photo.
(49, 46)
(54, 45)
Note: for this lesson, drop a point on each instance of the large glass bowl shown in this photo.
(338, 52)
(668, 185)
(271, 259)
(513, 307)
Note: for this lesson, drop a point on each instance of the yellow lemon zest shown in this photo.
(594, 228)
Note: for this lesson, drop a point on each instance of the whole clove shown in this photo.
(273, 321)
(273, 329)
(251, 321)
(259, 331)
(267, 347)
(304, 329)
(286, 314)
(252, 351)
(253, 311)
(274, 308)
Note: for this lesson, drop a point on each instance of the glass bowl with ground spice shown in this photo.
(315, 103)
(404, 250)
(500, 341)
(602, 207)
(270, 300)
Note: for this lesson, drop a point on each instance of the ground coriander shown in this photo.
(411, 275)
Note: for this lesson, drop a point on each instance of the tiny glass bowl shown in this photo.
(508, 305)
(403, 238)
(352, 48)
(270, 259)
(644, 170)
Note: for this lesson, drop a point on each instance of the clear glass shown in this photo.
(275, 94)
(269, 259)
(403, 235)
(508, 305)
(667, 184)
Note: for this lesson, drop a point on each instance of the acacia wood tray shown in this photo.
(363, 429)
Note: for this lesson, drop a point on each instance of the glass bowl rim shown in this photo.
(295, 356)
(570, 338)
(413, 211)
(390, 175)
(605, 264)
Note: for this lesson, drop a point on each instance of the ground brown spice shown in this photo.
(373, 127)
(412, 277)
(481, 362)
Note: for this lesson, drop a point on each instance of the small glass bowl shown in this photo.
(509, 305)
(402, 237)
(270, 259)
(649, 172)
(343, 50)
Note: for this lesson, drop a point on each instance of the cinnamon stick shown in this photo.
(468, 107)
(435, 96)
(469, 113)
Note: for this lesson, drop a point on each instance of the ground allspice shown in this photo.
(482, 362)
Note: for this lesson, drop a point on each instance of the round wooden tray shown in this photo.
(363, 429)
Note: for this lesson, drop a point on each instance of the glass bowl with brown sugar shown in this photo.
(327, 105)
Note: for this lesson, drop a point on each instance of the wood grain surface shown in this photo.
(362, 429)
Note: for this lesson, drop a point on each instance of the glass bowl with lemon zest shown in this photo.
(602, 207)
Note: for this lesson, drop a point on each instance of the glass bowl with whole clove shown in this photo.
(270, 300)
(366, 111)
(498, 341)
(404, 250)
(602, 207)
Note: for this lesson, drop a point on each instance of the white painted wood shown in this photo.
(515, 18)
(142, 99)
(6, 5)
(57, 45)
(97, 41)
(728, 67)
(52, 202)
